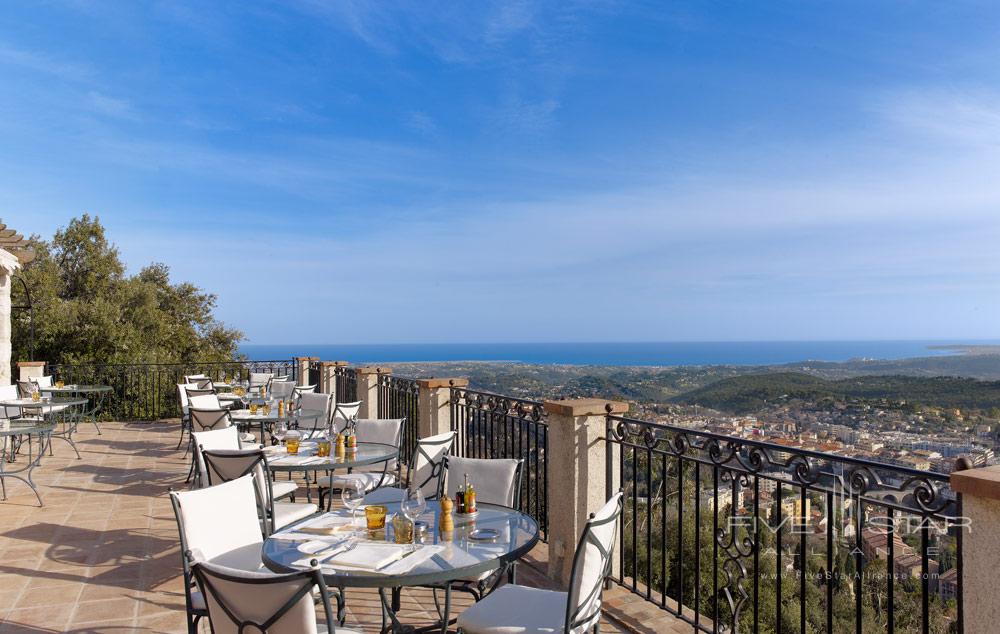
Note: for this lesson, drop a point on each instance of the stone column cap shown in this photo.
(432, 383)
(338, 364)
(981, 483)
(585, 407)
(30, 364)
(308, 358)
(373, 370)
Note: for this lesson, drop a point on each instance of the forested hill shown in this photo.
(749, 392)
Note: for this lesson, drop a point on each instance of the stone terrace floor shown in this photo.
(102, 554)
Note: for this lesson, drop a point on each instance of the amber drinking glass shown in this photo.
(375, 516)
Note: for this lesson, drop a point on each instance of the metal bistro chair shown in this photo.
(282, 390)
(224, 465)
(513, 608)
(425, 470)
(317, 402)
(228, 438)
(344, 415)
(388, 431)
(207, 419)
(497, 481)
(221, 523)
(182, 399)
(240, 601)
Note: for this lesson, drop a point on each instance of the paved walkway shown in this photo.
(102, 554)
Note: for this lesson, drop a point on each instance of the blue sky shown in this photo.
(418, 172)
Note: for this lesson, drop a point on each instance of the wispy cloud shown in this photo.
(45, 64)
(967, 117)
(111, 106)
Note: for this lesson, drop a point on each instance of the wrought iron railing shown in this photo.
(347, 384)
(398, 398)
(733, 534)
(496, 426)
(148, 391)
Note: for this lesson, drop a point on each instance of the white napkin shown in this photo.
(298, 460)
(386, 559)
(368, 556)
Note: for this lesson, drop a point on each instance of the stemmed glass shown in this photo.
(413, 506)
(352, 495)
(280, 431)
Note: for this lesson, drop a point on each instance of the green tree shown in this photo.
(89, 310)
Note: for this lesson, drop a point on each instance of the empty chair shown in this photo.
(9, 393)
(221, 523)
(227, 438)
(25, 388)
(191, 378)
(260, 379)
(282, 390)
(299, 390)
(344, 414)
(240, 601)
(43, 381)
(424, 471)
(497, 480)
(182, 398)
(223, 465)
(316, 402)
(207, 419)
(517, 609)
(383, 431)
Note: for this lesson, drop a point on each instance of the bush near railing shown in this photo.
(714, 526)
(496, 426)
(148, 391)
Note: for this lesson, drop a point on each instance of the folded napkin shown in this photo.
(298, 460)
(368, 556)
(412, 560)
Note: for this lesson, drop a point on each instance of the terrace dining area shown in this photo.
(353, 487)
(99, 548)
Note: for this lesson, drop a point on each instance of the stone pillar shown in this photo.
(328, 376)
(577, 465)
(368, 390)
(8, 264)
(434, 405)
(302, 363)
(979, 491)
(29, 370)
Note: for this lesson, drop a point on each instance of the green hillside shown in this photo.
(748, 393)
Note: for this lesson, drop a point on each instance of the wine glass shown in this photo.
(413, 506)
(352, 495)
(280, 431)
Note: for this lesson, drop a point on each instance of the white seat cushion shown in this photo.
(286, 513)
(370, 480)
(384, 495)
(283, 488)
(516, 610)
(245, 557)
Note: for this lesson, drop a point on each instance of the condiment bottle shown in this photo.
(281, 409)
(470, 496)
(460, 500)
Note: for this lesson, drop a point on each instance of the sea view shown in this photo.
(664, 353)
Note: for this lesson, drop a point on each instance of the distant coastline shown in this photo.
(634, 354)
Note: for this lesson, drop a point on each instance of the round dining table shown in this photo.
(95, 395)
(245, 420)
(13, 436)
(460, 555)
(63, 414)
(306, 460)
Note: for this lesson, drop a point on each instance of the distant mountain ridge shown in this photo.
(751, 392)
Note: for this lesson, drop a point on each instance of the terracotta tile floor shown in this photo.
(102, 554)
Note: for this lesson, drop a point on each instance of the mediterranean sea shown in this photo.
(620, 354)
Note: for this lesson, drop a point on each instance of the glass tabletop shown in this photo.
(455, 557)
(244, 416)
(44, 404)
(367, 453)
(15, 428)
